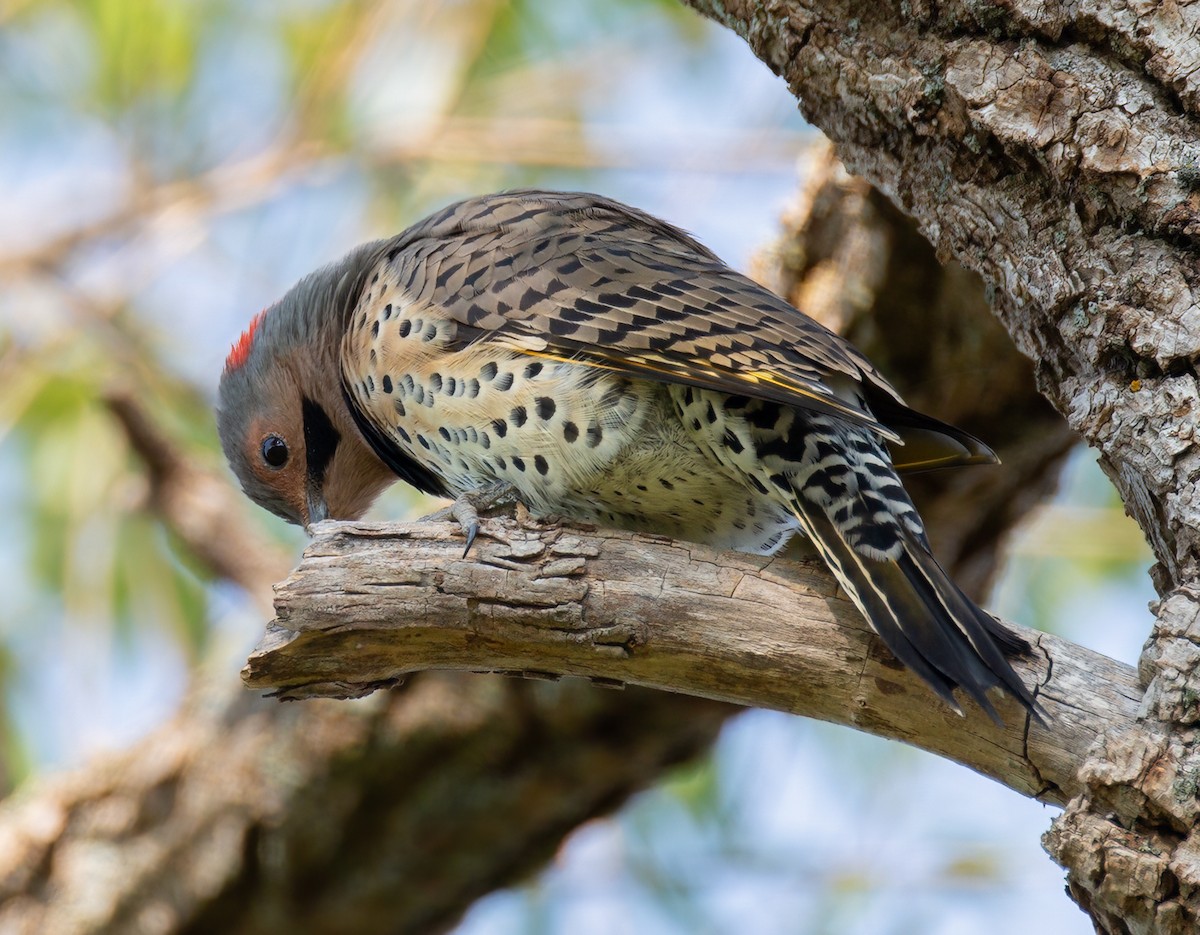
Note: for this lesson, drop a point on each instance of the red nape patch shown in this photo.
(241, 350)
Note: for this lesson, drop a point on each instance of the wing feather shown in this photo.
(578, 277)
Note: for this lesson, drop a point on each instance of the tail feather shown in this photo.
(922, 616)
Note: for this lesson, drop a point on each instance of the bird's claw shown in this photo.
(467, 515)
(466, 507)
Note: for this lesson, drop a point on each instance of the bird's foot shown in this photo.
(467, 507)
(528, 520)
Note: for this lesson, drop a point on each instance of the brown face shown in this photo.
(306, 464)
(284, 423)
(261, 422)
(274, 451)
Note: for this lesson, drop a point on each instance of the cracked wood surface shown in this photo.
(1054, 148)
(369, 604)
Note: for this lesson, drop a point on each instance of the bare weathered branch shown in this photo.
(371, 603)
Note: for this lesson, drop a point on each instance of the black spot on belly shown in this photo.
(710, 414)
(500, 427)
(518, 463)
(539, 462)
(375, 328)
(387, 382)
(666, 483)
(532, 370)
(595, 435)
(387, 311)
(518, 416)
(442, 430)
(451, 385)
(503, 381)
(488, 370)
(570, 431)
(400, 410)
(546, 407)
(405, 328)
(435, 383)
(422, 442)
(472, 387)
(732, 442)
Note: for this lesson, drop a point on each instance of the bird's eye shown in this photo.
(274, 451)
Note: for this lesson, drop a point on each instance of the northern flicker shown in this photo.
(611, 370)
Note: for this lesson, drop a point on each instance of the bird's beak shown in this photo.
(318, 511)
(320, 444)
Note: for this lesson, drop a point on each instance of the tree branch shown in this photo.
(370, 603)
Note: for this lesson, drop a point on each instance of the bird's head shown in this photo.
(282, 415)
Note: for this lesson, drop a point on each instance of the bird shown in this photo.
(605, 367)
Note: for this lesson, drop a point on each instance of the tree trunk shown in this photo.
(1053, 148)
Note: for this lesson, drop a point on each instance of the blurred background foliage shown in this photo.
(171, 166)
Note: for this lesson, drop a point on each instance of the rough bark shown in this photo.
(1052, 147)
(247, 815)
(369, 604)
